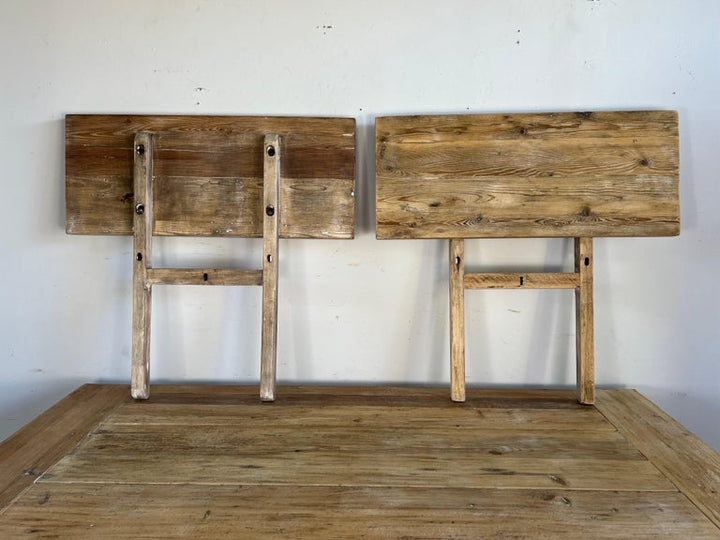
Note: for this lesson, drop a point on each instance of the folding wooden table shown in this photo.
(227, 176)
(578, 175)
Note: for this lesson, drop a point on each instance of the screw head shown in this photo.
(270, 150)
(140, 149)
(139, 209)
(270, 210)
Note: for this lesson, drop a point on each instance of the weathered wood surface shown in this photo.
(28, 453)
(272, 213)
(358, 456)
(584, 322)
(349, 462)
(369, 446)
(457, 319)
(528, 175)
(688, 462)
(203, 276)
(143, 214)
(199, 511)
(209, 174)
(531, 280)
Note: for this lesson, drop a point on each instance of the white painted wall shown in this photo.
(363, 310)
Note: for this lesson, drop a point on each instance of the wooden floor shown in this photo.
(356, 462)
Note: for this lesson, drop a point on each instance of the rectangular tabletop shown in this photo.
(351, 462)
(208, 174)
(528, 175)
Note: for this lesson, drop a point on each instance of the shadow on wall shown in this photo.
(686, 408)
(38, 397)
(365, 177)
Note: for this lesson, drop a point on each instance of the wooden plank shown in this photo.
(258, 512)
(528, 175)
(209, 174)
(142, 260)
(301, 415)
(531, 126)
(584, 325)
(539, 158)
(148, 443)
(457, 320)
(273, 209)
(532, 280)
(389, 465)
(689, 463)
(203, 276)
(29, 452)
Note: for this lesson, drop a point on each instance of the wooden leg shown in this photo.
(142, 261)
(271, 211)
(457, 319)
(585, 349)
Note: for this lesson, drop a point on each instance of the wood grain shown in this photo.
(368, 442)
(29, 452)
(457, 320)
(349, 462)
(584, 321)
(258, 512)
(528, 175)
(689, 463)
(273, 209)
(357, 457)
(143, 219)
(311, 416)
(203, 276)
(209, 174)
(531, 280)
(337, 512)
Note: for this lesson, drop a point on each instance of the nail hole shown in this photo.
(457, 261)
(270, 210)
(139, 209)
(205, 276)
(269, 258)
(587, 261)
(522, 280)
(140, 149)
(270, 150)
(139, 256)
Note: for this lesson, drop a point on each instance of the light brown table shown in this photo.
(356, 462)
